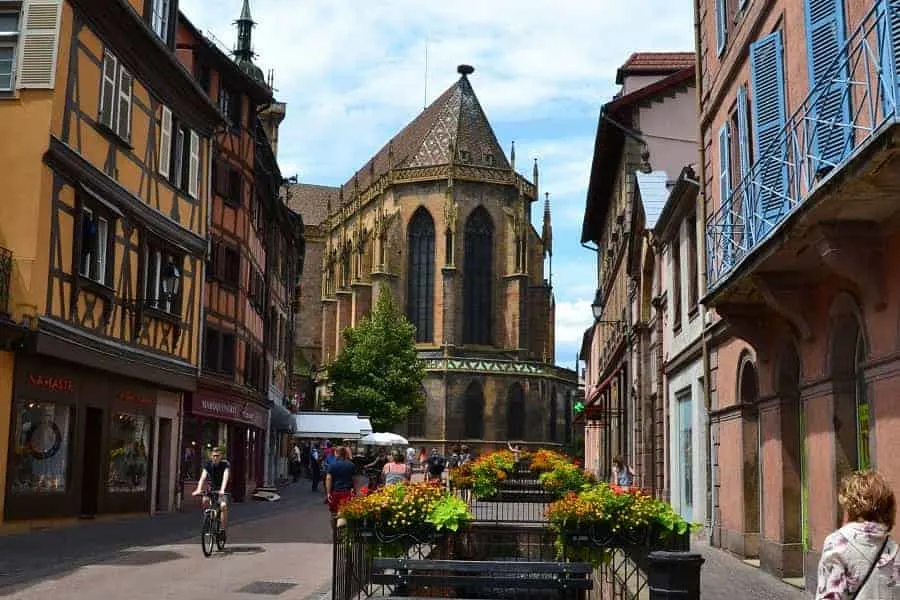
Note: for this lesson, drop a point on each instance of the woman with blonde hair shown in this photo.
(859, 560)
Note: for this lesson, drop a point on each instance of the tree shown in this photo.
(378, 373)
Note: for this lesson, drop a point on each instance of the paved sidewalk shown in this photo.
(29, 557)
(725, 577)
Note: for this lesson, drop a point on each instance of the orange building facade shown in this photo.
(798, 113)
(105, 223)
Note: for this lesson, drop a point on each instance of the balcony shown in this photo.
(832, 165)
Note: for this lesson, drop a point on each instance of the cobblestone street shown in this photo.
(275, 549)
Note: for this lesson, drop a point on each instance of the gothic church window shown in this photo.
(478, 278)
(515, 413)
(473, 412)
(420, 275)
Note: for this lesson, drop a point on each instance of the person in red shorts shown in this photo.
(339, 480)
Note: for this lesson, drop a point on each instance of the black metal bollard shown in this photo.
(674, 575)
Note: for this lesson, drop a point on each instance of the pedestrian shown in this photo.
(434, 466)
(465, 456)
(516, 449)
(455, 457)
(622, 475)
(339, 480)
(395, 471)
(859, 561)
(410, 457)
(315, 467)
(296, 456)
(423, 456)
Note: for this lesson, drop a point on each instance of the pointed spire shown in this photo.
(547, 232)
(512, 156)
(243, 52)
(535, 176)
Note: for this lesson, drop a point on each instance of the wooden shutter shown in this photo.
(165, 141)
(770, 145)
(108, 90)
(830, 114)
(721, 25)
(40, 44)
(744, 151)
(124, 108)
(194, 166)
(725, 200)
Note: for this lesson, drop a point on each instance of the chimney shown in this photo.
(273, 115)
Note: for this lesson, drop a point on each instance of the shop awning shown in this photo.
(282, 419)
(345, 426)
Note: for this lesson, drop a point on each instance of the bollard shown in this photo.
(674, 575)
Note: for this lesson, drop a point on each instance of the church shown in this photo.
(441, 219)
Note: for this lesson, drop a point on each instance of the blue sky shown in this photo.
(353, 74)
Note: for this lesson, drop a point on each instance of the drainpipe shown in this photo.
(701, 211)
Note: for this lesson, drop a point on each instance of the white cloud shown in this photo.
(353, 74)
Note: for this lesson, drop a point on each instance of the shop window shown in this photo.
(40, 461)
(129, 443)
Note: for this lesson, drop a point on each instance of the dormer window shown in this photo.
(159, 18)
(465, 156)
(488, 159)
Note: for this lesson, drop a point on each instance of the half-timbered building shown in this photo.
(246, 305)
(105, 219)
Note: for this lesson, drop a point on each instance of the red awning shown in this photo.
(602, 386)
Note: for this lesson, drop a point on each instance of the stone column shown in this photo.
(344, 317)
(362, 301)
(450, 308)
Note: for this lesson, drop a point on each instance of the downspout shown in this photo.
(701, 211)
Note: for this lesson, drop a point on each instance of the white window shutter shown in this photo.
(108, 90)
(124, 110)
(165, 141)
(40, 44)
(194, 166)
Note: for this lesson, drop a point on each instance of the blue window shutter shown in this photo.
(890, 52)
(721, 26)
(741, 4)
(744, 146)
(829, 127)
(770, 179)
(725, 201)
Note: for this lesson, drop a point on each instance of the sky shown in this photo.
(354, 72)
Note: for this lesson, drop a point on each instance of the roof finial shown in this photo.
(547, 236)
(465, 70)
(535, 176)
(244, 51)
(512, 156)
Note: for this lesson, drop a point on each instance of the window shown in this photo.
(474, 412)
(253, 369)
(728, 13)
(9, 38)
(97, 244)
(230, 106)
(464, 155)
(41, 447)
(160, 266)
(115, 97)
(676, 282)
(235, 186)
(159, 18)
(129, 437)
(415, 422)
(420, 275)
(515, 413)
(224, 263)
(257, 291)
(478, 278)
(693, 283)
(218, 351)
(179, 154)
(165, 141)
(769, 116)
(488, 159)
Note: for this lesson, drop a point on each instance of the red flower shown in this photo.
(364, 490)
(617, 489)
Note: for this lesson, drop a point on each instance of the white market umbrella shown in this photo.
(383, 439)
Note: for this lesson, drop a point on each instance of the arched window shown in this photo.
(420, 275)
(515, 413)
(474, 412)
(553, 414)
(478, 277)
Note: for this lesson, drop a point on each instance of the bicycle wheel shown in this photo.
(220, 536)
(207, 534)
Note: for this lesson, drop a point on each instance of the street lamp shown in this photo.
(597, 305)
(170, 280)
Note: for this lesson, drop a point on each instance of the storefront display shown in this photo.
(42, 447)
(129, 440)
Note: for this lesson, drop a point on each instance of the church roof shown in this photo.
(455, 118)
(311, 201)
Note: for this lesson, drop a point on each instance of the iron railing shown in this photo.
(853, 103)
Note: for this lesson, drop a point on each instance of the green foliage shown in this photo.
(378, 373)
(449, 513)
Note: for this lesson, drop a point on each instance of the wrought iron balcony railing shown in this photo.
(853, 103)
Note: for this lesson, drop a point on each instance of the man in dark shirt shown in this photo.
(217, 472)
(435, 466)
(339, 480)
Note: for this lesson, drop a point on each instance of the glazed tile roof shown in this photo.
(311, 201)
(455, 117)
(658, 63)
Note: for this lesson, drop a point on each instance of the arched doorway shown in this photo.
(473, 420)
(749, 396)
(793, 435)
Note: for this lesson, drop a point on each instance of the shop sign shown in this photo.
(51, 384)
(228, 409)
(134, 398)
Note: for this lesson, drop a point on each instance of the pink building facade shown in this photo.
(798, 119)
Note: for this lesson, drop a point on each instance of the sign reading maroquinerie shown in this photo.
(228, 409)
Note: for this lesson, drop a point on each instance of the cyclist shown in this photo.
(217, 471)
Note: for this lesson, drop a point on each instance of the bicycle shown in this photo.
(211, 534)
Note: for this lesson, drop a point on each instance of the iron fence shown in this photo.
(853, 102)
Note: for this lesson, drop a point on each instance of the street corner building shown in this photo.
(798, 114)
(104, 252)
(440, 218)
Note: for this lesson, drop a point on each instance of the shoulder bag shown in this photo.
(865, 579)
